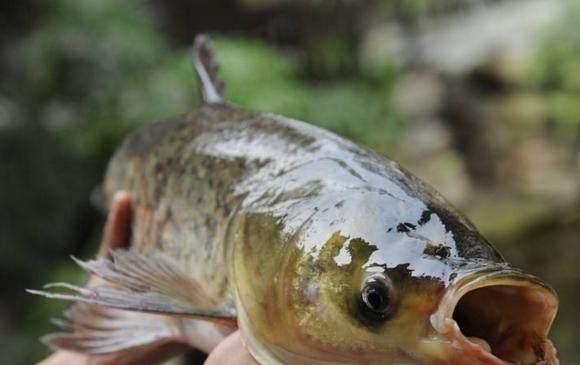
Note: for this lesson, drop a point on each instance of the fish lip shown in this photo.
(446, 327)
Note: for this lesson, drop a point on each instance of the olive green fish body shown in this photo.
(261, 204)
(190, 176)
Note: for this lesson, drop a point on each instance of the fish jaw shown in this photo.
(492, 318)
(256, 348)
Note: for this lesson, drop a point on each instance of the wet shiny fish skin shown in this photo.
(200, 168)
(269, 212)
(188, 175)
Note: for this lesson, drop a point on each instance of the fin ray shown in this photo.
(96, 330)
(150, 283)
(206, 67)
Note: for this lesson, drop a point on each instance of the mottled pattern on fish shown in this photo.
(180, 199)
(188, 175)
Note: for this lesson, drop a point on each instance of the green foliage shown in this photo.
(98, 69)
(556, 73)
(557, 65)
(261, 78)
(423, 8)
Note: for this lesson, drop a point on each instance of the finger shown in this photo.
(142, 356)
(117, 231)
(231, 351)
(65, 358)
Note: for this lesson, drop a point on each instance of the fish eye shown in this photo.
(376, 299)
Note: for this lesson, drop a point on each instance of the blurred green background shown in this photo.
(481, 98)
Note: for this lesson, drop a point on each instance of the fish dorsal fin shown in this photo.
(151, 283)
(206, 67)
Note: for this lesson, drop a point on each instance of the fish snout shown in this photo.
(494, 318)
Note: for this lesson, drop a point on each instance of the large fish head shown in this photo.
(426, 290)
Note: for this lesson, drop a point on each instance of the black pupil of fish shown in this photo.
(375, 301)
(375, 297)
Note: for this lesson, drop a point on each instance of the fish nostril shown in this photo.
(511, 322)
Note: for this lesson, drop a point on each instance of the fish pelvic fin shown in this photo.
(206, 67)
(149, 283)
(96, 330)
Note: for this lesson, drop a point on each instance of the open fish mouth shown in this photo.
(497, 318)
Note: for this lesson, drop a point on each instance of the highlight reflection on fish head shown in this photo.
(351, 300)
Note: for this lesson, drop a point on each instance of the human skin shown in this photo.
(230, 351)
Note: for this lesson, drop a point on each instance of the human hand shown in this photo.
(231, 351)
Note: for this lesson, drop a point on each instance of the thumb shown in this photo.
(231, 351)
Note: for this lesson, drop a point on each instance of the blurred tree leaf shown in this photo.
(555, 73)
(98, 69)
(261, 78)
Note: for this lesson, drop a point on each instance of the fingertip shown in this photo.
(231, 351)
(117, 231)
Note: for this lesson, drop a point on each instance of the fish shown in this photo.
(320, 251)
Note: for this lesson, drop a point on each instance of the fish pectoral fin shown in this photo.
(96, 330)
(151, 283)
